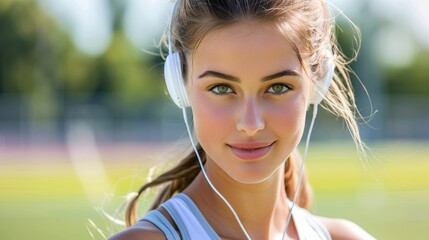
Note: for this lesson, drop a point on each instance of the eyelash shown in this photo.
(286, 88)
(212, 89)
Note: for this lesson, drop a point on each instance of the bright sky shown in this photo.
(89, 22)
(145, 21)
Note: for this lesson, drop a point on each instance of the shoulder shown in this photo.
(342, 229)
(141, 230)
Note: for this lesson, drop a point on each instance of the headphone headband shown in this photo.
(173, 70)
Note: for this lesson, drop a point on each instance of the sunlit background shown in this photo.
(84, 116)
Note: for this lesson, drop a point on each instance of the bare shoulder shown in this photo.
(341, 229)
(141, 230)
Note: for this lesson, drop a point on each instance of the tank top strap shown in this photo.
(190, 221)
(307, 226)
(158, 219)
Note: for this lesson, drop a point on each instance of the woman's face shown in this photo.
(249, 96)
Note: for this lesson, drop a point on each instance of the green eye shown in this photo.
(278, 89)
(221, 89)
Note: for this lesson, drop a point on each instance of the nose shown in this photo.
(250, 118)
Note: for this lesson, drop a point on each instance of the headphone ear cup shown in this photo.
(174, 80)
(321, 87)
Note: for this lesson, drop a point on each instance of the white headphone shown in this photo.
(176, 84)
(321, 86)
(174, 80)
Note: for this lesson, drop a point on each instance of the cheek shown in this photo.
(288, 120)
(211, 120)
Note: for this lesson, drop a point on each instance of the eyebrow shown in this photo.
(225, 76)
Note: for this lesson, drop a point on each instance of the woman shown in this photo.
(249, 70)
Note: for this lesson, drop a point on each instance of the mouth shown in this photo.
(250, 150)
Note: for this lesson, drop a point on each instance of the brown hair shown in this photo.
(308, 26)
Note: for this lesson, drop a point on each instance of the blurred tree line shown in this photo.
(42, 73)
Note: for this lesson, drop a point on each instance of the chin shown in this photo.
(252, 178)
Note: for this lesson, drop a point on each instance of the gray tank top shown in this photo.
(193, 226)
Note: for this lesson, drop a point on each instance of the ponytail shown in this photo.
(291, 176)
(176, 180)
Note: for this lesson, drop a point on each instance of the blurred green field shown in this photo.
(41, 196)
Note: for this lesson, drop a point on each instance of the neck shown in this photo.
(261, 207)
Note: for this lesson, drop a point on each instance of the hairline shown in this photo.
(277, 26)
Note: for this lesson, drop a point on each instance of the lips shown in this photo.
(250, 150)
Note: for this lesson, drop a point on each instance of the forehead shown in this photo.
(253, 45)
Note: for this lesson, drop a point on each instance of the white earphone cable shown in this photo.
(295, 195)
(315, 107)
(185, 118)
